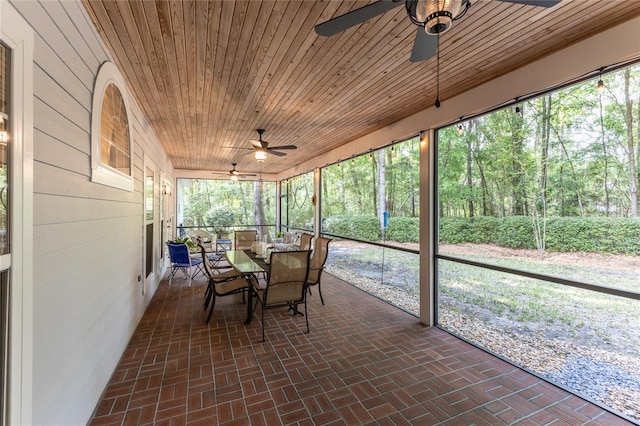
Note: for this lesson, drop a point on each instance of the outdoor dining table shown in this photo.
(246, 262)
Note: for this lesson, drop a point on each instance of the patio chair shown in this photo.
(305, 241)
(219, 268)
(245, 239)
(316, 265)
(221, 283)
(199, 236)
(286, 285)
(182, 261)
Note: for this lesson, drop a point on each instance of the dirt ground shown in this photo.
(574, 259)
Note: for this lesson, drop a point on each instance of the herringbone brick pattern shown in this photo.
(363, 363)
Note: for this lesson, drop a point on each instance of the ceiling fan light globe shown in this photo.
(233, 178)
(260, 155)
(437, 15)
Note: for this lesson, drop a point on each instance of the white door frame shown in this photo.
(16, 33)
(150, 282)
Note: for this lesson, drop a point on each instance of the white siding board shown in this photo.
(88, 238)
(81, 19)
(56, 125)
(59, 15)
(144, 135)
(85, 331)
(53, 95)
(72, 209)
(63, 236)
(60, 182)
(85, 274)
(46, 28)
(78, 274)
(58, 70)
(55, 152)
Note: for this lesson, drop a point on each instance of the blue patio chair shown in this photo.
(181, 261)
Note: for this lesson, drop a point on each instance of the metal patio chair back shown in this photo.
(316, 265)
(286, 285)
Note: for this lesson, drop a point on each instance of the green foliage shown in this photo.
(566, 234)
(515, 232)
(403, 229)
(186, 240)
(297, 203)
(366, 228)
(478, 230)
(572, 152)
(596, 234)
(352, 187)
(221, 218)
(203, 195)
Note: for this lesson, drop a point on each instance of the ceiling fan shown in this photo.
(235, 174)
(261, 148)
(433, 17)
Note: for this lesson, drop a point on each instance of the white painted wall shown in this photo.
(88, 238)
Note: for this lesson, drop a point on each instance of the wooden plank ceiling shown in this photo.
(207, 74)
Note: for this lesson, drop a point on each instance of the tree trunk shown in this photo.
(381, 190)
(539, 209)
(390, 183)
(517, 168)
(544, 149)
(633, 174)
(605, 158)
(258, 208)
(469, 177)
(483, 187)
(637, 154)
(374, 175)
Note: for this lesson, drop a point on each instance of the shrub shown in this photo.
(594, 234)
(365, 228)
(403, 229)
(221, 218)
(516, 232)
(563, 234)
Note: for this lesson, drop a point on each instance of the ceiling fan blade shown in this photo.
(356, 17)
(540, 3)
(246, 175)
(278, 153)
(425, 46)
(256, 143)
(282, 147)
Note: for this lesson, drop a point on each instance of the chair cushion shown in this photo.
(229, 286)
(222, 276)
(285, 247)
(288, 238)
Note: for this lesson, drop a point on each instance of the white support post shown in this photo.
(427, 281)
(317, 193)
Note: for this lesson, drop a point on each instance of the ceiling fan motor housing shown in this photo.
(438, 22)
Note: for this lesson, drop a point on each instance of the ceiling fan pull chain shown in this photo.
(437, 104)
